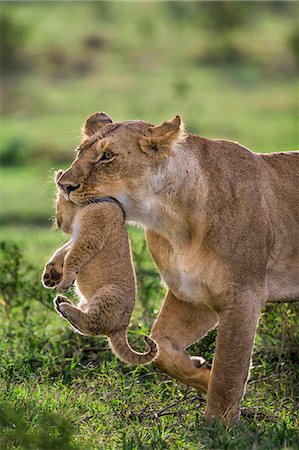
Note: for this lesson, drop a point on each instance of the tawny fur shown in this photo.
(222, 225)
(99, 259)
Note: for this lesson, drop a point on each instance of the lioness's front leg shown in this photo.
(235, 337)
(53, 270)
(177, 326)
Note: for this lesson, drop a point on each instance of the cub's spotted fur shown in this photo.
(98, 257)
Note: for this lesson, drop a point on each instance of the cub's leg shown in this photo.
(72, 314)
(53, 270)
(235, 337)
(177, 326)
(102, 314)
(81, 251)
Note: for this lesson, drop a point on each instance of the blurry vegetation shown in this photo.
(204, 60)
(230, 69)
(50, 431)
(12, 37)
(294, 44)
(222, 19)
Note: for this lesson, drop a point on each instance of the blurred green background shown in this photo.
(230, 69)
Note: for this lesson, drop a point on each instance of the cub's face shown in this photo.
(116, 158)
(65, 213)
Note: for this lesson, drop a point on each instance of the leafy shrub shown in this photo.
(14, 151)
(19, 281)
(13, 36)
(294, 44)
(224, 16)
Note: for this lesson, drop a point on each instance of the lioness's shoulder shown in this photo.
(220, 154)
(216, 147)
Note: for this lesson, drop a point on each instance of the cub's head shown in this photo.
(65, 211)
(117, 158)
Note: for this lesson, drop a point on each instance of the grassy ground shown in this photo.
(230, 74)
(62, 390)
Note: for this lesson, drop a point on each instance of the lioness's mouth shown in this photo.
(107, 199)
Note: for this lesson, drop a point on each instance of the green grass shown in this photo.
(151, 60)
(63, 390)
(120, 420)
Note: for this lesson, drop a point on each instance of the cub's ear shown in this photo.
(95, 122)
(162, 138)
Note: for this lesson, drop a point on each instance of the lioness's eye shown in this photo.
(108, 155)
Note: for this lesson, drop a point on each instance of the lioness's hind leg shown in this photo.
(177, 326)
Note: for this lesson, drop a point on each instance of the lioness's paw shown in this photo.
(52, 275)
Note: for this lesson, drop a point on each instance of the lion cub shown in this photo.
(99, 258)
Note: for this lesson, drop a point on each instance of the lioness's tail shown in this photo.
(121, 347)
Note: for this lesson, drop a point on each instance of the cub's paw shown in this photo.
(66, 283)
(68, 311)
(58, 301)
(52, 275)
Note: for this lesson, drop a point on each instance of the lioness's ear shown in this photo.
(95, 122)
(162, 138)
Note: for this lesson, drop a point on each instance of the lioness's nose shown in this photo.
(66, 183)
(70, 187)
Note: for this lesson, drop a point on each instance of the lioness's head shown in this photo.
(65, 210)
(116, 158)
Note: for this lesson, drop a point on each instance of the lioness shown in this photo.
(222, 225)
(99, 259)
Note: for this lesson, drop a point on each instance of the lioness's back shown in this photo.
(283, 180)
(285, 166)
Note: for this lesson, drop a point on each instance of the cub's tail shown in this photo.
(121, 347)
